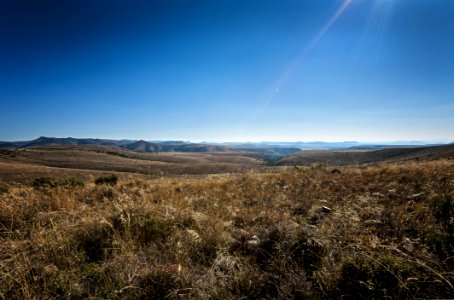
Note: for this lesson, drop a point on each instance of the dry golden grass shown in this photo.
(22, 166)
(251, 235)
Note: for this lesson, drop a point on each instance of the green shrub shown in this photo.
(161, 284)
(186, 222)
(147, 228)
(49, 182)
(45, 182)
(443, 207)
(368, 278)
(72, 182)
(95, 242)
(254, 284)
(104, 193)
(3, 189)
(98, 281)
(309, 252)
(389, 277)
(205, 252)
(107, 180)
(116, 154)
(442, 243)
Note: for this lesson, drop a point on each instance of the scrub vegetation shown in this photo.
(381, 231)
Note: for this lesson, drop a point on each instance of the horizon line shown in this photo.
(377, 142)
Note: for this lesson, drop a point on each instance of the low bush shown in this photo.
(443, 208)
(72, 182)
(116, 154)
(162, 283)
(442, 243)
(95, 242)
(107, 180)
(368, 278)
(3, 189)
(389, 277)
(97, 280)
(104, 193)
(45, 182)
(49, 182)
(142, 227)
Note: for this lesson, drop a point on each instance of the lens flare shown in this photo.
(293, 65)
(290, 69)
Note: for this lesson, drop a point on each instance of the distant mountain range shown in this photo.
(52, 141)
(270, 149)
(144, 146)
(155, 146)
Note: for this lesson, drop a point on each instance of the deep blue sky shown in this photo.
(333, 70)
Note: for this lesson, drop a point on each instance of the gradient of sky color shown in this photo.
(292, 70)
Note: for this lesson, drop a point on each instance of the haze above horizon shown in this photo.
(334, 70)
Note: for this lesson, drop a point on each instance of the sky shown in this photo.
(261, 70)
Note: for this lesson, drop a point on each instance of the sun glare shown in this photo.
(295, 63)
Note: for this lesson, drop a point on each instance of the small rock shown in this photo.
(326, 209)
(254, 241)
(415, 197)
(407, 245)
(249, 202)
(195, 237)
(227, 223)
(410, 206)
(372, 222)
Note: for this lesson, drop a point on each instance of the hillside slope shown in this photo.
(354, 157)
(76, 158)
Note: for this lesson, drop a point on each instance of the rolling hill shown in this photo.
(354, 157)
(152, 147)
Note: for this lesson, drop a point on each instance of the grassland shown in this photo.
(23, 166)
(383, 231)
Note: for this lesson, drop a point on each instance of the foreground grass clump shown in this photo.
(442, 242)
(369, 232)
